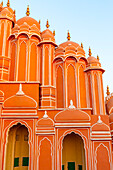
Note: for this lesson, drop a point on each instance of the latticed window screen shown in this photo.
(16, 162)
(25, 161)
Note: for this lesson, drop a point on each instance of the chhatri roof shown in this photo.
(30, 21)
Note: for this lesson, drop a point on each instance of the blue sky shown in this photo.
(89, 22)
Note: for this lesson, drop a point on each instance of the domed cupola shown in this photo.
(93, 63)
(69, 48)
(7, 20)
(47, 35)
(28, 25)
(25, 65)
(7, 12)
(94, 73)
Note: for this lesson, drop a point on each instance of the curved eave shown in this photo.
(29, 35)
(94, 68)
(8, 18)
(48, 42)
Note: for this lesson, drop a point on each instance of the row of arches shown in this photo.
(73, 152)
(70, 83)
(73, 83)
(24, 59)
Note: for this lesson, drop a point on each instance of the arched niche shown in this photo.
(82, 86)
(89, 90)
(73, 153)
(60, 87)
(1, 36)
(17, 149)
(33, 62)
(71, 85)
(22, 62)
(96, 85)
(13, 61)
(45, 154)
(102, 158)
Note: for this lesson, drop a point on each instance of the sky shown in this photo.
(89, 22)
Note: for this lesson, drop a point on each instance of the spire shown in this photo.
(81, 45)
(2, 3)
(8, 3)
(20, 92)
(28, 11)
(107, 90)
(90, 51)
(47, 24)
(39, 21)
(97, 57)
(99, 120)
(68, 36)
(45, 115)
(54, 32)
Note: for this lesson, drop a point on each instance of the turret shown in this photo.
(7, 19)
(24, 50)
(47, 48)
(95, 85)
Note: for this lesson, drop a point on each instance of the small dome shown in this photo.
(92, 60)
(109, 105)
(45, 122)
(72, 115)
(70, 47)
(30, 21)
(69, 43)
(7, 12)
(9, 9)
(47, 35)
(100, 127)
(20, 102)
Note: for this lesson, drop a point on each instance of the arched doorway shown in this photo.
(17, 149)
(73, 153)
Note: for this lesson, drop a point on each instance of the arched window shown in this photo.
(71, 85)
(59, 87)
(17, 153)
(82, 86)
(22, 62)
(73, 153)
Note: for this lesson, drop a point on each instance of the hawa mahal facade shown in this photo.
(52, 110)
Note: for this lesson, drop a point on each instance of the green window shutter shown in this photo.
(25, 161)
(71, 165)
(79, 167)
(62, 167)
(16, 162)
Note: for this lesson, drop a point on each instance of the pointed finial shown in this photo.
(99, 120)
(28, 11)
(71, 106)
(20, 92)
(39, 21)
(45, 115)
(108, 92)
(81, 45)
(8, 3)
(68, 36)
(2, 3)
(14, 12)
(90, 51)
(97, 57)
(54, 32)
(47, 24)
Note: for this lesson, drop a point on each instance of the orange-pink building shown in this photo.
(52, 110)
